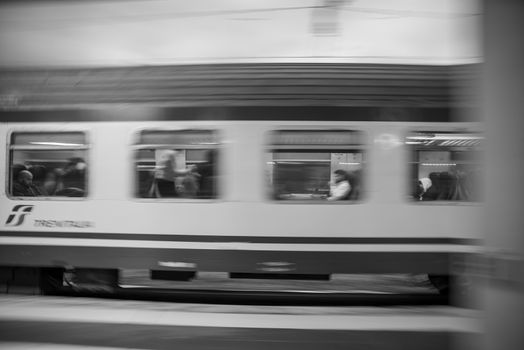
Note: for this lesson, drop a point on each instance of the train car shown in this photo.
(239, 168)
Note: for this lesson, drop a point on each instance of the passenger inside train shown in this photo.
(37, 180)
(300, 165)
(340, 187)
(23, 186)
(51, 182)
(446, 166)
(207, 175)
(315, 165)
(57, 168)
(173, 179)
(73, 179)
(177, 164)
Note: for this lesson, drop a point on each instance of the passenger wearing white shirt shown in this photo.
(340, 189)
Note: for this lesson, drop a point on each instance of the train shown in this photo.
(227, 168)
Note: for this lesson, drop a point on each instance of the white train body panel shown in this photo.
(243, 208)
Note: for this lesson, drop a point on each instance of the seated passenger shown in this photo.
(71, 180)
(207, 179)
(433, 192)
(17, 168)
(355, 183)
(146, 184)
(471, 183)
(447, 186)
(188, 186)
(339, 190)
(15, 171)
(461, 188)
(74, 175)
(50, 185)
(23, 186)
(167, 172)
(39, 174)
(422, 187)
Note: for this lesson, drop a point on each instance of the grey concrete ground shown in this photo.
(33, 322)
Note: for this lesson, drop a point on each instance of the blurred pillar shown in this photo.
(503, 107)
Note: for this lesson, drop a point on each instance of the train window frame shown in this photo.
(270, 148)
(136, 146)
(50, 146)
(411, 153)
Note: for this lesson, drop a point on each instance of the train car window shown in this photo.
(315, 165)
(177, 164)
(48, 164)
(445, 166)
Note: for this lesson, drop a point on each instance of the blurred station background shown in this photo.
(285, 92)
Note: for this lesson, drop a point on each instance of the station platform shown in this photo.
(38, 321)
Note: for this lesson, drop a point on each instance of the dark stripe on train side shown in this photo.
(244, 113)
(242, 261)
(246, 239)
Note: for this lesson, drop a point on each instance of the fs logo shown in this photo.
(18, 215)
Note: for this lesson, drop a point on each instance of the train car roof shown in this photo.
(219, 86)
